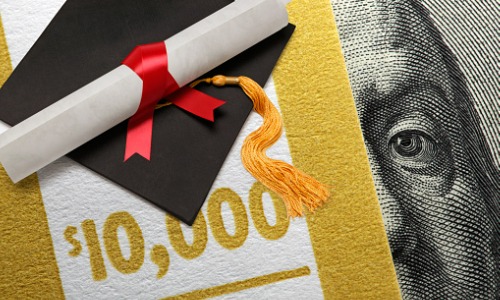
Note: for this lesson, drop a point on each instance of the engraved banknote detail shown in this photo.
(425, 77)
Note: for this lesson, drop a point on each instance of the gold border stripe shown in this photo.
(5, 63)
(27, 260)
(324, 135)
(241, 285)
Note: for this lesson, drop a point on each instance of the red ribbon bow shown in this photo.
(150, 63)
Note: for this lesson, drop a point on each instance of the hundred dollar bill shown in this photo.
(426, 80)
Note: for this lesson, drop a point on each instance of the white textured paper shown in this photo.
(66, 185)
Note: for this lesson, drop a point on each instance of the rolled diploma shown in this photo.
(115, 97)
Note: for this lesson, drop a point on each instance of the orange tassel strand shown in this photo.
(295, 187)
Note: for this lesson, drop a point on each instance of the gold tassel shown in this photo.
(295, 187)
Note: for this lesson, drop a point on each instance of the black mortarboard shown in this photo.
(87, 39)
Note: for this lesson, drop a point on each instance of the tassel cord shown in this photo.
(295, 187)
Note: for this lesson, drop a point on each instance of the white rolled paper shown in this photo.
(93, 109)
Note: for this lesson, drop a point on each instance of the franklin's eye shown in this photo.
(413, 146)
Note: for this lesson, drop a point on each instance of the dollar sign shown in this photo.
(77, 246)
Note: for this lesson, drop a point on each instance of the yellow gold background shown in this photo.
(324, 135)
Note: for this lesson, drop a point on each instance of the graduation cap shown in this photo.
(87, 39)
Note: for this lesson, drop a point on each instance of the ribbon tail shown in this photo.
(196, 102)
(139, 135)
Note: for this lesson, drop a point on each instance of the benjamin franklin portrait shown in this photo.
(430, 152)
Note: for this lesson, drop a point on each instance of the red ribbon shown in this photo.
(150, 63)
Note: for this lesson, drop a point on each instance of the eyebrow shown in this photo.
(370, 101)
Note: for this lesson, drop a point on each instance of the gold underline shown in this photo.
(241, 285)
